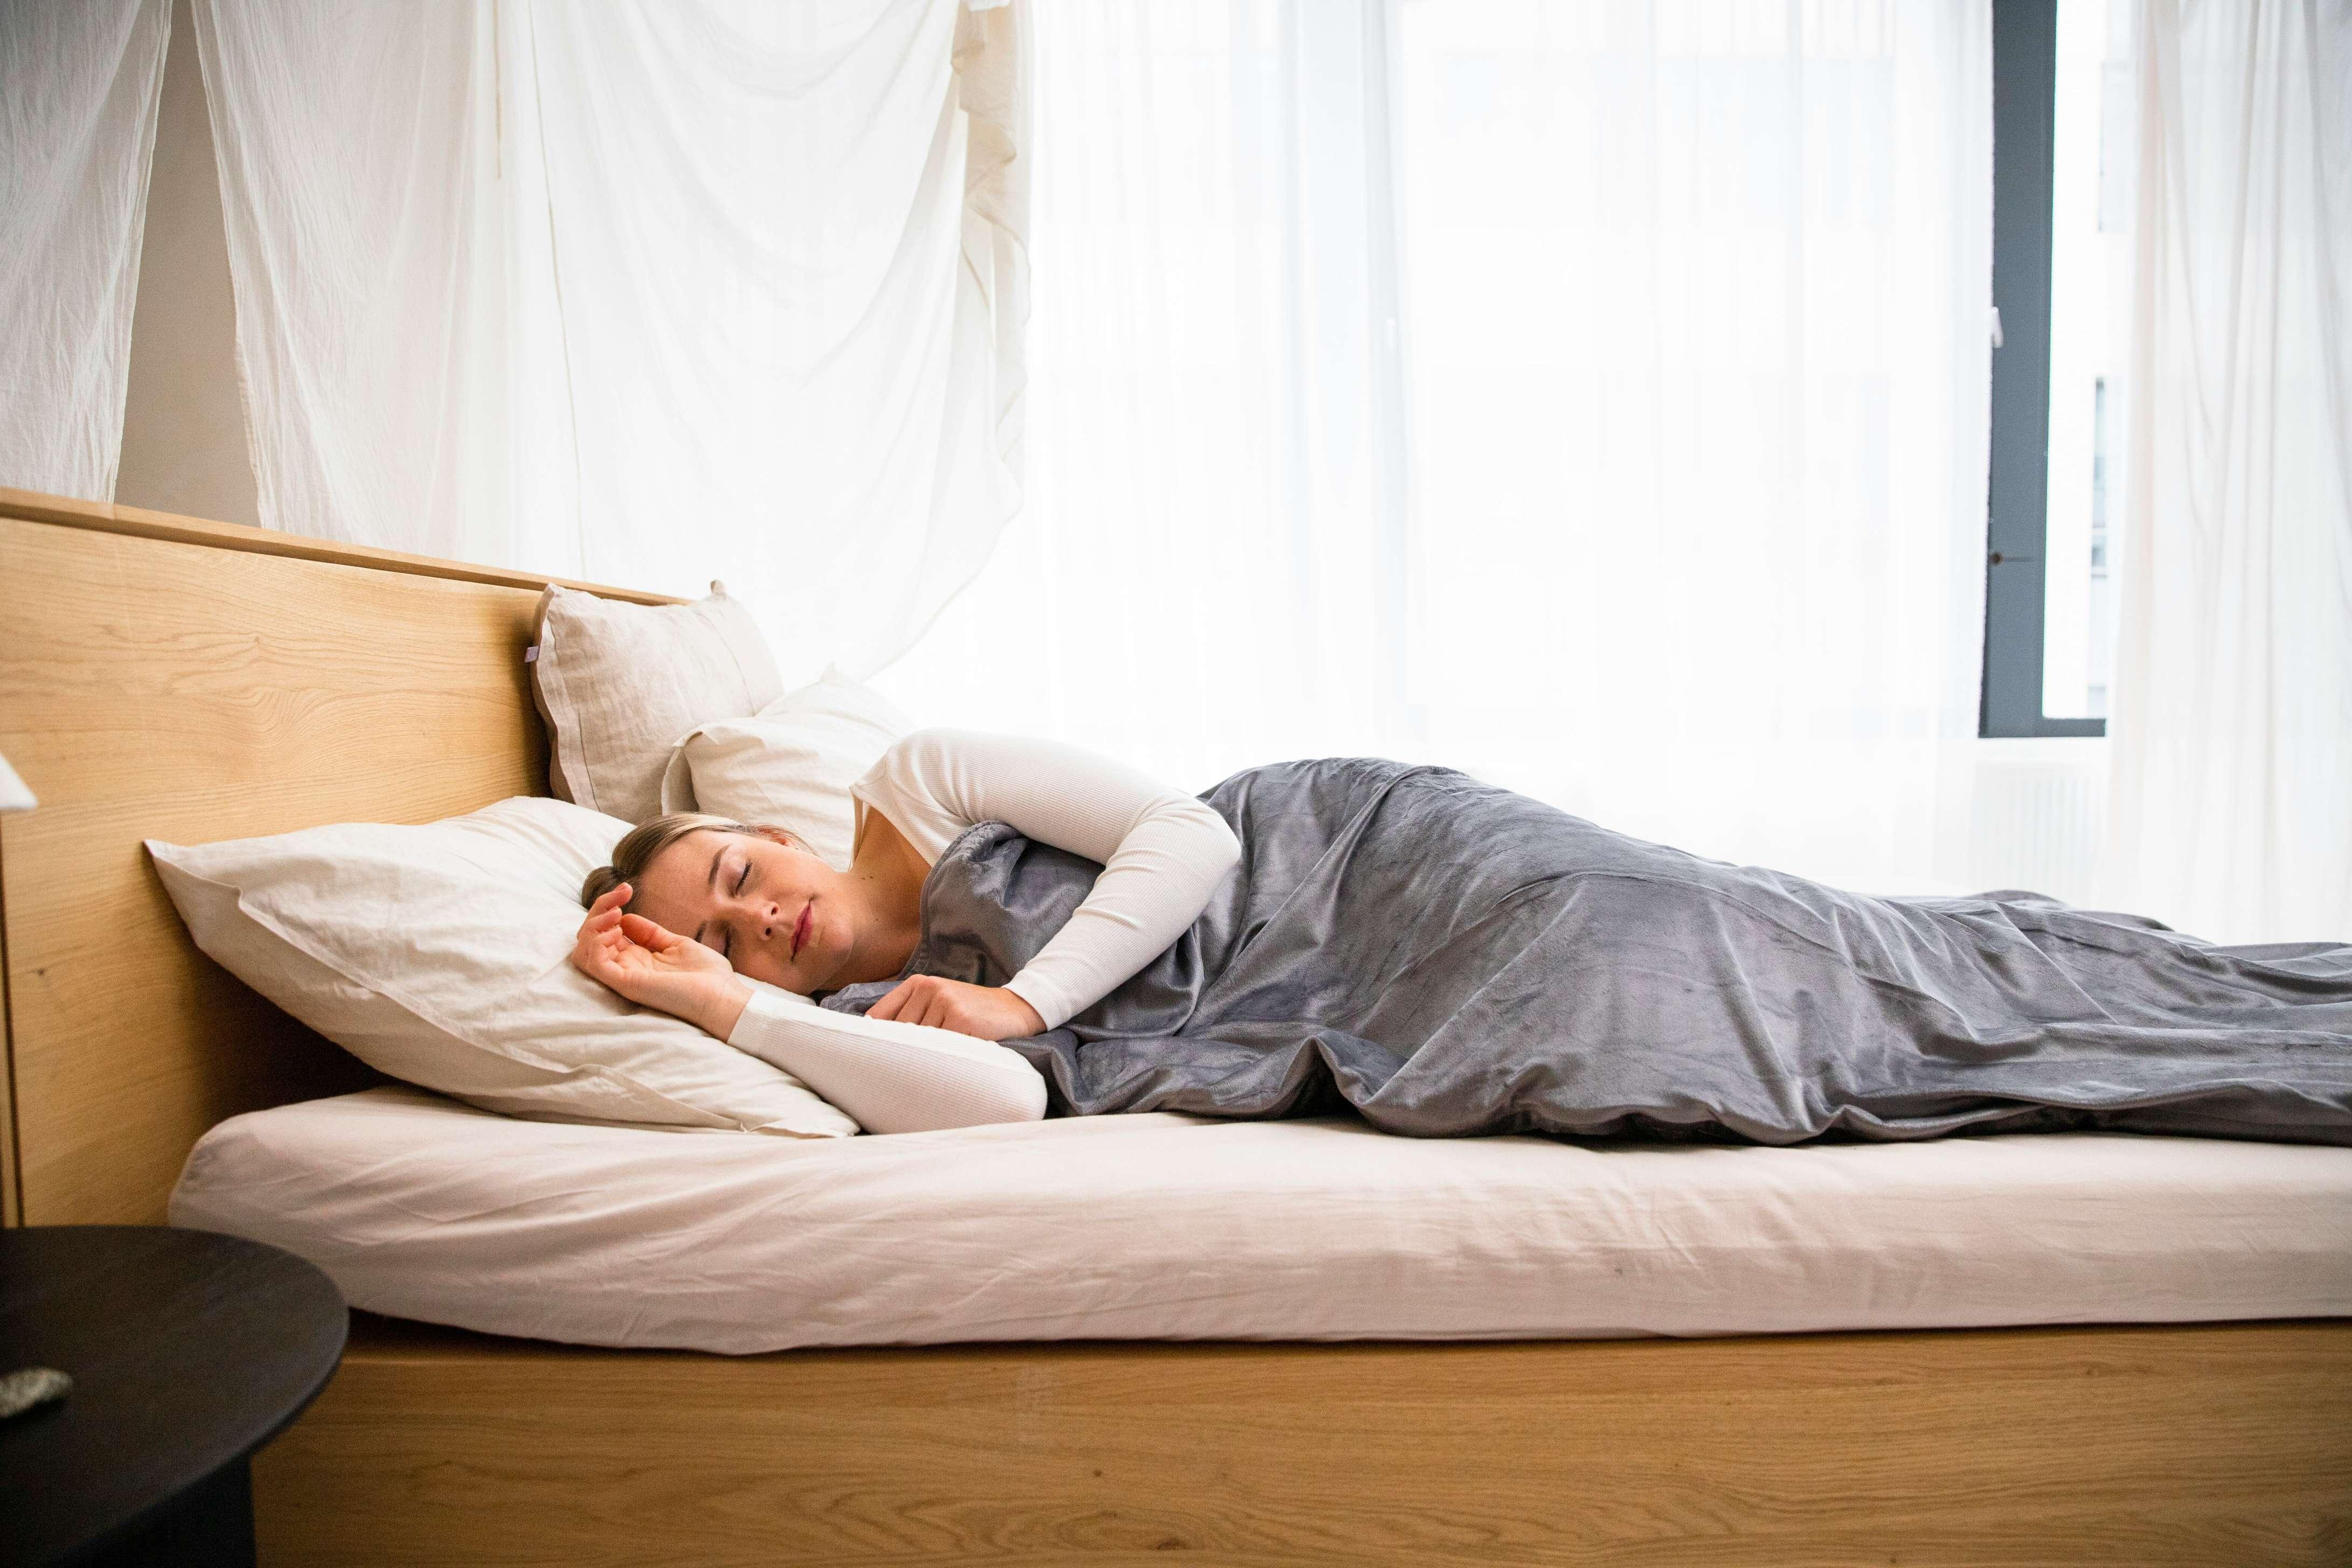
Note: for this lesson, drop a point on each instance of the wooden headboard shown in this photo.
(167, 678)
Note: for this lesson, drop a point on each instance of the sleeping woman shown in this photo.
(1441, 956)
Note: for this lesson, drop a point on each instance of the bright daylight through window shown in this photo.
(2090, 285)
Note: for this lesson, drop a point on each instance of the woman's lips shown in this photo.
(801, 927)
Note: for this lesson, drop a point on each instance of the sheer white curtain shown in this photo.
(2230, 791)
(358, 152)
(1197, 579)
(1701, 369)
(649, 294)
(780, 341)
(1591, 396)
(80, 86)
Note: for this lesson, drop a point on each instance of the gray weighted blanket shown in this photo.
(1451, 958)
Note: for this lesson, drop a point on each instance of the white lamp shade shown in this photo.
(14, 795)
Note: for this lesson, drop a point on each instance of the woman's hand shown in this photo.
(990, 1012)
(658, 968)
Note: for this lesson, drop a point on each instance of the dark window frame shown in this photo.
(2024, 119)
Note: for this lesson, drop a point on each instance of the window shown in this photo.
(2062, 180)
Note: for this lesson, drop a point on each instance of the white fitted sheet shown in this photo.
(1165, 1225)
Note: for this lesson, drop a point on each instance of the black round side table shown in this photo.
(188, 1350)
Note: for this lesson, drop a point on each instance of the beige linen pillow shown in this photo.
(618, 684)
(791, 765)
(441, 955)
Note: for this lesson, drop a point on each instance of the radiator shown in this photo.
(2035, 812)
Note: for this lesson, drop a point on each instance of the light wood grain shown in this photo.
(178, 681)
(2210, 1445)
(31, 506)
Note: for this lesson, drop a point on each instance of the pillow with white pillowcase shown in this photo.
(791, 765)
(440, 954)
(618, 683)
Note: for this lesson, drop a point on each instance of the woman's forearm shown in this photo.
(887, 1076)
(1153, 886)
(1163, 852)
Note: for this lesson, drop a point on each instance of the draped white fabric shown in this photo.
(80, 86)
(1192, 583)
(649, 294)
(1589, 397)
(357, 149)
(787, 336)
(2231, 789)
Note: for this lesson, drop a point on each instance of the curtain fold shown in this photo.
(2231, 785)
(784, 305)
(652, 294)
(1205, 574)
(356, 145)
(1699, 298)
(79, 87)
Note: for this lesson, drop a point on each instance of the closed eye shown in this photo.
(744, 879)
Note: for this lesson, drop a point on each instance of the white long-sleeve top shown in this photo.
(1163, 853)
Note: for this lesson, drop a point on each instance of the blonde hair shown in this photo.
(638, 846)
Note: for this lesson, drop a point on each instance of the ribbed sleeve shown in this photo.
(1163, 852)
(887, 1076)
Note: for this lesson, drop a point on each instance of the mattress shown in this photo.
(1167, 1225)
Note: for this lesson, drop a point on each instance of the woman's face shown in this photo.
(744, 896)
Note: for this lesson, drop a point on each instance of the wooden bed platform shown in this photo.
(164, 677)
(2202, 1443)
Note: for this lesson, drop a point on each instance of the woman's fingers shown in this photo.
(645, 933)
(603, 948)
(592, 961)
(917, 999)
(605, 910)
(984, 1011)
(904, 1002)
(609, 958)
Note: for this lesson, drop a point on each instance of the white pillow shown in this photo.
(791, 765)
(441, 955)
(618, 684)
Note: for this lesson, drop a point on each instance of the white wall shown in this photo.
(184, 445)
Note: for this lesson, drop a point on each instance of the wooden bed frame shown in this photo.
(162, 676)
